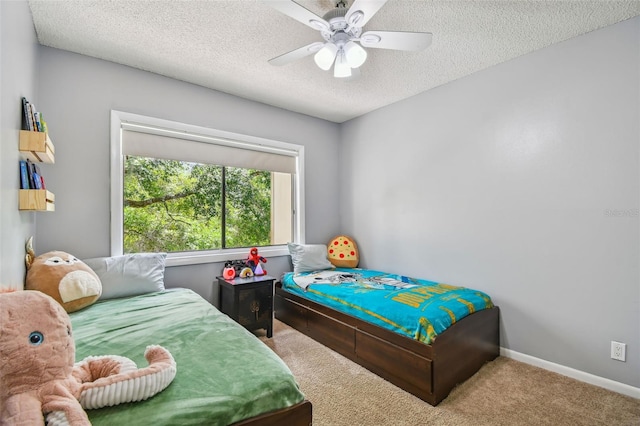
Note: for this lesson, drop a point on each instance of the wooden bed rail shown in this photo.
(296, 415)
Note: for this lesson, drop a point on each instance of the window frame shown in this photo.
(120, 119)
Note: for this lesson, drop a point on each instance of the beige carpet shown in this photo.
(503, 392)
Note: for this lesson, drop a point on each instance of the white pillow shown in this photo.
(129, 274)
(309, 257)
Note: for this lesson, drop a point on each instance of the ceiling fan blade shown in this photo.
(362, 10)
(299, 53)
(397, 40)
(299, 13)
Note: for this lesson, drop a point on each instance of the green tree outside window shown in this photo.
(176, 206)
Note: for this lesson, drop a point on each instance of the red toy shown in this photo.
(254, 260)
(228, 273)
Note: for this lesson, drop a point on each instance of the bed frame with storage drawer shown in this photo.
(429, 372)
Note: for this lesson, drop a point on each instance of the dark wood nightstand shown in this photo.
(248, 301)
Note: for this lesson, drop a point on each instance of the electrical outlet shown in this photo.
(618, 350)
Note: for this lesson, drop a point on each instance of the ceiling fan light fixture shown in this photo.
(354, 54)
(325, 56)
(345, 45)
(341, 68)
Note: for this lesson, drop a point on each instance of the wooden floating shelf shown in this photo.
(37, 199)
(37, 146)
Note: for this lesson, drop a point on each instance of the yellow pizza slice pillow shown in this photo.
(342, 252)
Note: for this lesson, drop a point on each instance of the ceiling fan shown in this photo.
(341, 28)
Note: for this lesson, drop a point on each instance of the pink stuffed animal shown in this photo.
(38, 376)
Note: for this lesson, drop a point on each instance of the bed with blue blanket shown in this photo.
(425, 337)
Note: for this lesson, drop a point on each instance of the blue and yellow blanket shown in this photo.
(415, 308)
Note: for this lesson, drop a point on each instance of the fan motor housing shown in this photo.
(337, 12)
(338, 25)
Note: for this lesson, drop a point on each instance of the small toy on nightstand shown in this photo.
(233, 268)
(228, 272)
(254, 261)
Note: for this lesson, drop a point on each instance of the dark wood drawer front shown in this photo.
(248, 301)
(388, 358)
(336, 335)
(227, 302)
(254, 306)
(291, 313)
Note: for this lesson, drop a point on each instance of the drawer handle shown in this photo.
(255, 307)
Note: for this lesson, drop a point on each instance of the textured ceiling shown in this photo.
(225, 45)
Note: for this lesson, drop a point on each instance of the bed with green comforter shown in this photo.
(225, 374)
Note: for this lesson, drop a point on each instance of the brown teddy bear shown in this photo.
(62, 276)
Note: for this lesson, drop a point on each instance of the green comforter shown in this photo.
(224, 373)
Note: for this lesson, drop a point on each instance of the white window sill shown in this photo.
(218, 256)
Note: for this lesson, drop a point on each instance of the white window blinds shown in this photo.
(156, 143)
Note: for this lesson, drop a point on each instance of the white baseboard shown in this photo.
(573, 373)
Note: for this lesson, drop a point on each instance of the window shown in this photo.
(201, 195)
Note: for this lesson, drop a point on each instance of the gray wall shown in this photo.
(77, 94)
(523, 181)
(19, 59)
